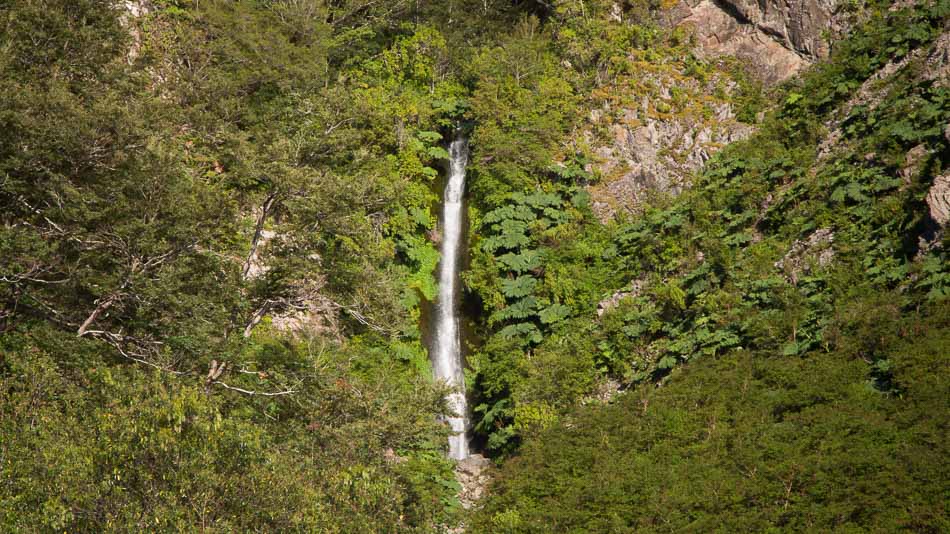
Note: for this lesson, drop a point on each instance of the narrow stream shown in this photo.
(447, 353)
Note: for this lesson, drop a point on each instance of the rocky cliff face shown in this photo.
(655, 143)
(657, 132)
(777, 38)
(134, 11)
(657, 126)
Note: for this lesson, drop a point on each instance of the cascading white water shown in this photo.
(447, 358)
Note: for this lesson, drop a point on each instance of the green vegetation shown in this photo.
(798, 285)
(751, 442)
(173, 184)
(92, 445)
(181, 185)
(540, 259)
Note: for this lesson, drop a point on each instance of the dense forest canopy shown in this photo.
(219, 235)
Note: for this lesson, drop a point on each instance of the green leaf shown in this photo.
(555, 313)
(520, 309)
(429, 137)
(525, 261)
(437, 152)
(522, 286)
(790, 349)
(526, 331)
(518, 212)
(793, 98)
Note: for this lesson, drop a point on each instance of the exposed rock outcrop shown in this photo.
(473, 473)
(938, 197)
(938, 61)
(254, 266)
(938, 200)
(938, 215)
(659, 156)
(138, 8)
(797, 24)
(634, 289)
(314, 315)
(912, 163)
(776, 37)
(720, 33)
(604, 391)
(805, 255)
(135, 10)
(649, 142)
(307, 311)
(668, 127)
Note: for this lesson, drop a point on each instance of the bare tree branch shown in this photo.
(121, 343)
(363, 320)
(258, 231)
(104, 304)
(251, 392)
(258, 316)
(215, 370)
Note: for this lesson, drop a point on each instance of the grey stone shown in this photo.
(776, 37)
(938, 200)
(807, 254)
(633, 290)
(473, 474)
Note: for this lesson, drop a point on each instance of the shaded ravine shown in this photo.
(446, 346)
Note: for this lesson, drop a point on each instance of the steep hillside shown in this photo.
(212, 259)
(705, 283)
(804, 280)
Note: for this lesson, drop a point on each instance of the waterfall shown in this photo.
(447, 357)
